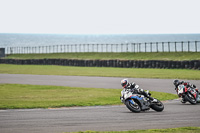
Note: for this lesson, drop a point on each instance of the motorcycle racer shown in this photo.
(176, 82)
(135, 89)
(187, 85)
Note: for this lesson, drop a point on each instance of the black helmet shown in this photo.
(176, 82)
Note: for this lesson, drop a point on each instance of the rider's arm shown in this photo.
(132, 85)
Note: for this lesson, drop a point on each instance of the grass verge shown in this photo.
(169, 130)
(15, 96)
(101, 71)
(122, 56)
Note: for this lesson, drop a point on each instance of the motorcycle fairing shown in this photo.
(193, 92)
(136, 97)
(180, 90)
(144, 104)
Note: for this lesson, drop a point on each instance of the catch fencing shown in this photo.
(188, 46)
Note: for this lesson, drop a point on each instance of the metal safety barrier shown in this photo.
(183, 46)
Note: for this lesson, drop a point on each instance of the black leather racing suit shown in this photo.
(135, 90)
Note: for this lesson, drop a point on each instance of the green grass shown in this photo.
(122, 56)
(169, 130)
(15, 96)
(101, 71)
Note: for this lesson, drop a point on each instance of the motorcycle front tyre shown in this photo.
(192, 101)
(133, 107)
(158, 106)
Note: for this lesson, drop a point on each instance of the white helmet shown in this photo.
(124, 82)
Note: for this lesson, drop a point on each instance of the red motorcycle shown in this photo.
(187, 93)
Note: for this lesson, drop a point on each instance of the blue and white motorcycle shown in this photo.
(137, 102)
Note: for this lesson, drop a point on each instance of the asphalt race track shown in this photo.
(162, 85)
(98, 118)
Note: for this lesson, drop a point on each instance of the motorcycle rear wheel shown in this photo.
(158, 106)
(133, 107)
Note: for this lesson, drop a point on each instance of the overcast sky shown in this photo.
(100, 16)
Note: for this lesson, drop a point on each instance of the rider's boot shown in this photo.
(147, 94)
(153, 99)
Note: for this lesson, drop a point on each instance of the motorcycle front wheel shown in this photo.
(158, 106)
(133, 107)
(190, 98)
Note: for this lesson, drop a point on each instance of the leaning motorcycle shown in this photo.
(188, 94)
(137, 103)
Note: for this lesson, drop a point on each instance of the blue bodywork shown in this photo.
(135, 97)
(144, 104)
